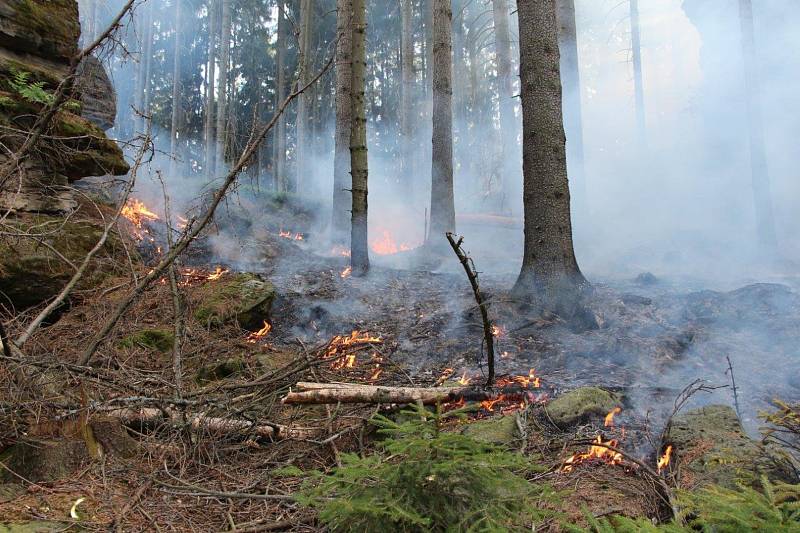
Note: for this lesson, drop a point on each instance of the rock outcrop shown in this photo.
(38, 41)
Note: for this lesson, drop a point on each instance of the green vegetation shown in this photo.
(425, 479)
(160, 339)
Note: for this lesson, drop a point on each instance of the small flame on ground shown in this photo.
(135, 211)
(499, 331)
(664, 460)
(291, 236)
(340, 251)
(386, 245)
(218, 273)
(346, 272)
(595, 451)
(464, 380)
(347, 361)
(341, 343)
(609, 421)
(260, 334)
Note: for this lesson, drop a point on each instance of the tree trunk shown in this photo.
(344, 108)
(222, 100)
(279, 165)
(210, 84)
(571, 79)
(176, 93)
(638, 81)
(508, 123)
(147, 60)
(303, 101)
(765, 222)
(406, 94)
(359, 248)
(443, 215)
(550, 273)
(327, 393)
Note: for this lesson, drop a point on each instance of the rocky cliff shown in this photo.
(38, 41)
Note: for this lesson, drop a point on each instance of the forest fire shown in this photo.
(665, 458)
(218, 273)
(597, 451)
(137, 213)
(260, 334)
(609, 420)
(387, 245)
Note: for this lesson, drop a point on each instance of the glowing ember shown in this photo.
(609, 421)
(346, 272)
(218, 273)
(664, 460)
(386, 245)
(595, 452)
(260, 334)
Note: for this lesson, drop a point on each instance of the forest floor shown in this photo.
(422, 329)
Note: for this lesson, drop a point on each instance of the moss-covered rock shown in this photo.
(580, 405)
(243, 298)
(33, 270)
(44, 28)
(711, 447)
(221, 370)
(498, 430)
(161, 339)
(37, 526)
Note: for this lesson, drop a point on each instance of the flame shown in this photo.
(340, 250)
(376, 373)
(609, 421)
(499, 331)
(260, 334)
(346, 272)
(218, 273)
(135, 211)
(595, 451)
(386, 245)
(291, 236)
(341, 343)
(347, 361)
(663, 461)
(489, 404)
(464, 380)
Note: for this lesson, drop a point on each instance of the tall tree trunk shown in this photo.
(508, 123)
(143, 93)
(550, 272)
(344, 108)
(406, 94)
(91, 30)
(765, 222)
(571, 80)
(443, 215)
(638, 80)
(304, 100)
(279, 165)
(211, 74)
(222, 100)
(359, 247)
(176, 92)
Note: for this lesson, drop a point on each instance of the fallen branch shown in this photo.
(330, 393)
(472, 274)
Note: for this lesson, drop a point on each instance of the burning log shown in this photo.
(330, 393)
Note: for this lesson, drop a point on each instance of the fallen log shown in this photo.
(231, 427)
(322, 393)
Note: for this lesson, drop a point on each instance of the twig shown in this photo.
(472, 274)
(130, 504)
(733, 386)
(4, 341)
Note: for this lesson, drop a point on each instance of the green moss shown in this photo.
(581, 404)
(501, 430)
(244, 298)
(160, 339)
(220, 370)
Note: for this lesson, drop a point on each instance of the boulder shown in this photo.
(243, 298)
(710, 447)
(98, 97)
(579, 405)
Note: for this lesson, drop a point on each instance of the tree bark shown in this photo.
(571, 79)
(359, 247)
(638, 80)
(344, 108)
(327, 393)
(443, 216)
(143, 93)
(762, 197)
(406, 94)
(279, 166)
(222, 100)
(176, 93)
(508, 122)
(550, 273)
(304, 101)
(211, 82)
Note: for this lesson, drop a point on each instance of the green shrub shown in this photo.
(426, 479)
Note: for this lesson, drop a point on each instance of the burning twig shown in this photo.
(472, 274)
(664, 460)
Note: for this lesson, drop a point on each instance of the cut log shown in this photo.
(226, 426)
(322, 393)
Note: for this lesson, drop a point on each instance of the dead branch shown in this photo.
(472, 274)
(193, 231)
(331, 393)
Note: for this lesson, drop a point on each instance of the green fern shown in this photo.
(30, 91)
(425, 479)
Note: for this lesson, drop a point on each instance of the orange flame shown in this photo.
(386, 245)
(291, 236)
(218, 273)
(260, 334)
(346, 272)
(135, 211)
(498, 331)
(609, 421)
(464, 380)
(341, 343)
(595, 451)
(340, 250)
(664, 460)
